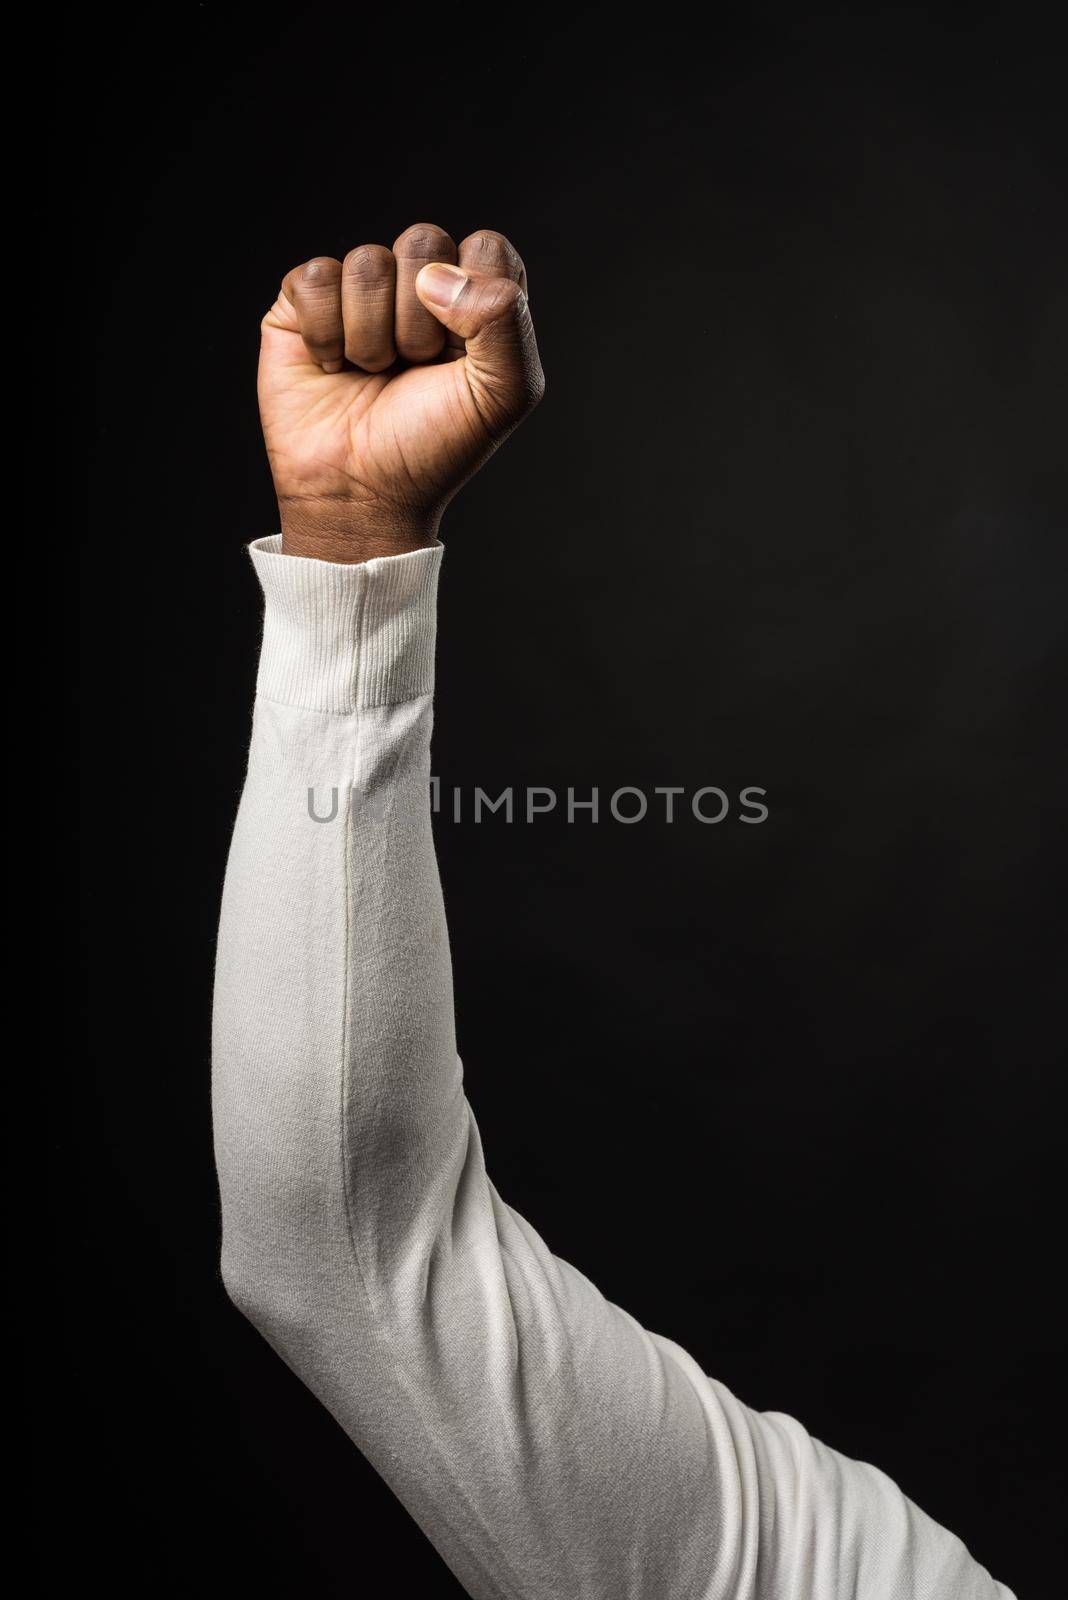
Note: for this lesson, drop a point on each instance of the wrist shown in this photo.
(345, 532)
(340, 637)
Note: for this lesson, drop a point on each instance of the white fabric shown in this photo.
(548, 1445)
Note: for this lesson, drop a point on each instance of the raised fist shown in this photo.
(386, 380)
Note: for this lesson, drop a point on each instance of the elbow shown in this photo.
(299, 1317)
(277, 1307)
(243, 1294)
(294, 1303)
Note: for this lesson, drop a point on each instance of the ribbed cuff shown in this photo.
(341, 638)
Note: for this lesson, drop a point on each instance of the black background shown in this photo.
(791, 515)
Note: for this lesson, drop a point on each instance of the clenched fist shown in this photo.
(385, 381)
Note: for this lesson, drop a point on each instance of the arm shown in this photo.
(546, 1444)
(549, 1446)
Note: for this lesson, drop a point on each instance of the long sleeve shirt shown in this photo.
(549, 1446)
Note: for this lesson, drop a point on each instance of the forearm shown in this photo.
(334, 1045)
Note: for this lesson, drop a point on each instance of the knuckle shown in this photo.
(423, 241)
(371, 360)
(321, 272)
(536, 386)
(491, 248)
(369, 263)
(529, 392)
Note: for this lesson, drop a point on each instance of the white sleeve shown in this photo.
(548, 1445)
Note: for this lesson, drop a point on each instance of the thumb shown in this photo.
(492, 316)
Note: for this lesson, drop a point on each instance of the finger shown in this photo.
(493, 255)
(490, 253)
(315, 293)
(492, 316)
(368, 286)
(417, 334)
